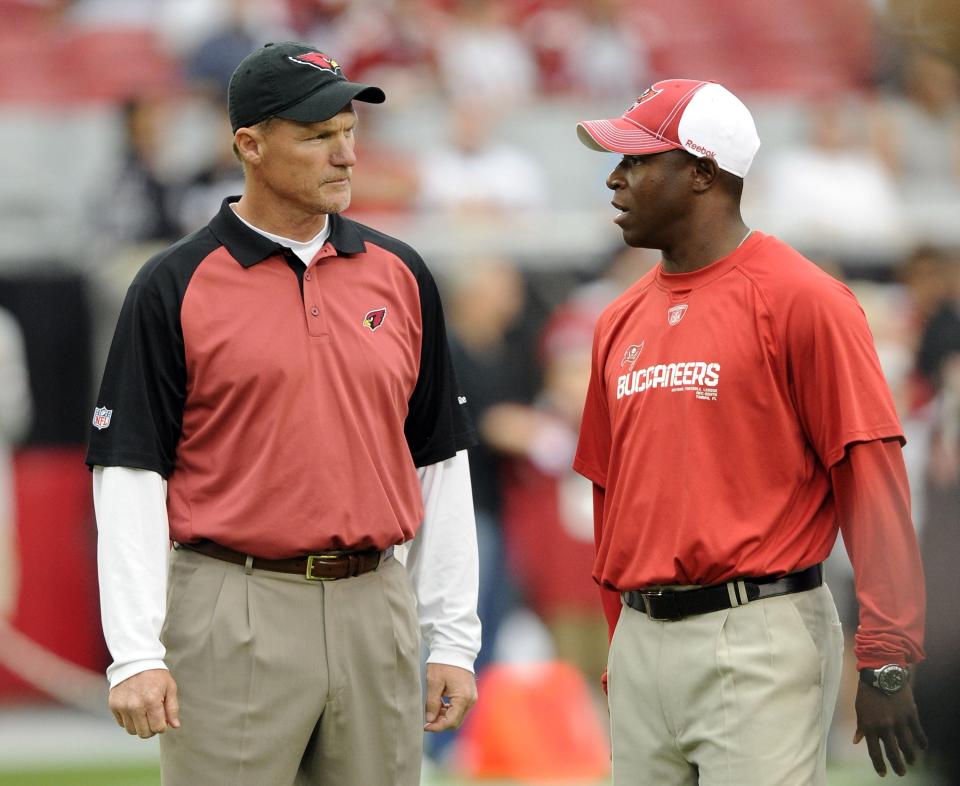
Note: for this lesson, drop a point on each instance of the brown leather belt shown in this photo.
(326, 566)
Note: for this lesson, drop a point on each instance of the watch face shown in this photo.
(891, 678)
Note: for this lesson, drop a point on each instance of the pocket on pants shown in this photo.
(805, 613)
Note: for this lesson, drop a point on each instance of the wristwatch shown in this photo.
(889, 678)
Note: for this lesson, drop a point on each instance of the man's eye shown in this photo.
(632, 160)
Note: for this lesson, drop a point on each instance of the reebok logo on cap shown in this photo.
(701, 117)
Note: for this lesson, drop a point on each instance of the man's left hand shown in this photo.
(890, 720)
(451, 691)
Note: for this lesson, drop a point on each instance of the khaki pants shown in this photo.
(285, 681)
(741, 697)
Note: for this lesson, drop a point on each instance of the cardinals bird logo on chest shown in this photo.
(374, 318)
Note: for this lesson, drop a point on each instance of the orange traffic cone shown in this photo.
(533, 722)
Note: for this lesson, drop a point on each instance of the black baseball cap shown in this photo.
(294, 81)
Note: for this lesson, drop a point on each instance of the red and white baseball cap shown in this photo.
(703, 118)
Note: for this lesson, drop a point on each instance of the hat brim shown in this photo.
(621, 136)
(330, 100)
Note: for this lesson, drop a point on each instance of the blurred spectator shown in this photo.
(209, 66)
(941, 336)
(482, 58)
(548, 509)
(832, 190)
(382, 41)
(198, 198)
(484, 308)
(138, 207)
(585, 48)
(918, 134)
(15, 412)
(475, 175)
(927, 276)
(623, 267)
(385, 179)
(938, 683)
(308, 17)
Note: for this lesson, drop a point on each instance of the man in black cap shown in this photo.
(279, 402)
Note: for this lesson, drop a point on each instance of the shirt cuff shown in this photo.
(462, 660)
(117, 674)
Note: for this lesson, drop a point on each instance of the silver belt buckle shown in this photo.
(646, 595)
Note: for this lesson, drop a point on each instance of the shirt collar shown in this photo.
(249, 247)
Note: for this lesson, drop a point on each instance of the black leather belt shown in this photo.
(328, 566)
(672, 605)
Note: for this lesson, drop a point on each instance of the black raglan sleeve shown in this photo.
(438, 422)
(139, 409)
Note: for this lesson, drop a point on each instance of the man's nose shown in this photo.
(343, 154)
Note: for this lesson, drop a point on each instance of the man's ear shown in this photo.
(248, 143)
(705, 174)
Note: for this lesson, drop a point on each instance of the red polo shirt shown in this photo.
(288, 407)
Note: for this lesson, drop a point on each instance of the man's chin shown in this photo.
(334, 205)
(633, 239)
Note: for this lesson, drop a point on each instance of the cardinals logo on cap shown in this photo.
(632, 354)
(374, 318)
(319, 61)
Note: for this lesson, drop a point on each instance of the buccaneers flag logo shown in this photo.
(319, 61)
(647, 94)
(632, 355)
(374, 319)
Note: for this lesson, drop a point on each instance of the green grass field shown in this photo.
(149, 776)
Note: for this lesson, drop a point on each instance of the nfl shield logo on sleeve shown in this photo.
(101, 417)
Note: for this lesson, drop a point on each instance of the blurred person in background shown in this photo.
(736, 420)
(941, 333)
(474, 175)
(390, 40)
(481, 56)
(832, 189)
(15, 413)
(279, 401)
(209, 63)
(938, 686)
(583, 48)
(486, 300)
(548, 508)
(386, 178)
(938, 361)
(918, 134)
(198, 195)
(138, 208)
(926, 278)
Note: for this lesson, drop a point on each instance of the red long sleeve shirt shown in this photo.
(736, 419)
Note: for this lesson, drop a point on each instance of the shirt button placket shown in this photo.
(313, 301)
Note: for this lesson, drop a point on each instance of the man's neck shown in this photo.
(295, 225)
(697, 249)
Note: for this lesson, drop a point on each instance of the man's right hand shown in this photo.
(146, 703)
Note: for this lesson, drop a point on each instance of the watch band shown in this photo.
(889, 679)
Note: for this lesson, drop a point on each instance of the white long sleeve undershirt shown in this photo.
(134, 541)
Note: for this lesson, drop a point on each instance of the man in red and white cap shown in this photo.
(737, 418)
